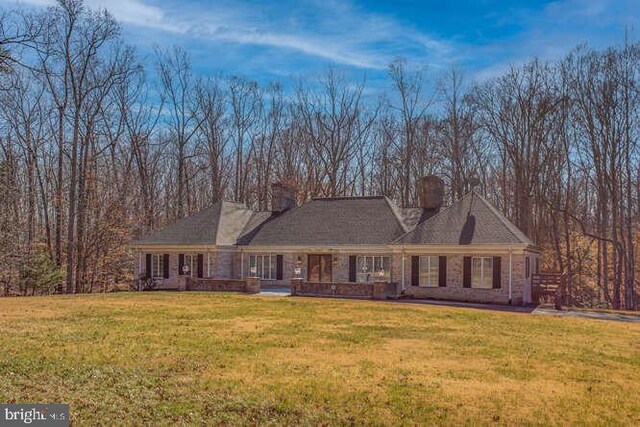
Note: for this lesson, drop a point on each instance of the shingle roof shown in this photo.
(471, 220)
(343, 221)
(220, 224)
(330, 222)
(411, 217)
(257, 220)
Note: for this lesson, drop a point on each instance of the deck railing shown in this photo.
(548, 288)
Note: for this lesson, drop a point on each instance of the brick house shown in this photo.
(467, 251)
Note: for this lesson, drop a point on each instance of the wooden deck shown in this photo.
(548, 288)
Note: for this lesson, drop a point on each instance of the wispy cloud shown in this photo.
(289, 37)
(338, 32)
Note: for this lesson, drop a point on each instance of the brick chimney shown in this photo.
(283, 197)
(431, 192)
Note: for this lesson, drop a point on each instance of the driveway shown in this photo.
(544, 311)
(479, 306)
(618, 317)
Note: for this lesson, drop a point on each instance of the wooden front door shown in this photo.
(319, 268)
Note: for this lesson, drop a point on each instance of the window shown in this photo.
(263, 266)
(370, 268)
(482, 272)
(527, 267)
(191, 264)
(429, 270)
(157, 266)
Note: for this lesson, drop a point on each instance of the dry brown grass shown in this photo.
(193, 358)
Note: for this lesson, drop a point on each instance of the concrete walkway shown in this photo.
(588, 315)
(283, 291)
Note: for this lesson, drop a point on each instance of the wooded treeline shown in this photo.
(95, 149)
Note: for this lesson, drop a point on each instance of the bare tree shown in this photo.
(178, 91)
(411, 108)
(336, 123)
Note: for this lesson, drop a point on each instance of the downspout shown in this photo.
(403, 285)
(241, 264)
(510, 272)
(209, 264)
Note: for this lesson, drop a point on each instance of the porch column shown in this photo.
(296, 285)
(378, 290)
(252, 285)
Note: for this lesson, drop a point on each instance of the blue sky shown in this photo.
(277, 40)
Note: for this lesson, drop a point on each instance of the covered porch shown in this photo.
(278, 267)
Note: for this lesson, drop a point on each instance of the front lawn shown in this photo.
(193, 358)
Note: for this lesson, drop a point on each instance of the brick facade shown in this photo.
(339, 267)
(377, 290)
(227, 264)
(456, 291)
(214, 265)
(249, 285)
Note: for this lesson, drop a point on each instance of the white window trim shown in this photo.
(430, 267)
(371, 276)
(157, 266)
(269, 264)
(193, 263)
(482, 275)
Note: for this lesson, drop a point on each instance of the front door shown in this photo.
(319, 268)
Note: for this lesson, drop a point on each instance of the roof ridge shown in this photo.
(432, 217)
(515, 231)
(233, 202)
(347, 197)
(394, 209)
(217, 226)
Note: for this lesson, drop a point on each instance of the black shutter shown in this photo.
(200, 266)
(180, 264)
(497, 272)
(415, 271)
(466, 272)
(166, 266)
(442, 271)
(527, 267)
(352, 268)
(279, 267)
(148, 271)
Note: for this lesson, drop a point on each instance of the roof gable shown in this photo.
(471, 220)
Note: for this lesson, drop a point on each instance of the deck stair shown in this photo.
(548, 288)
